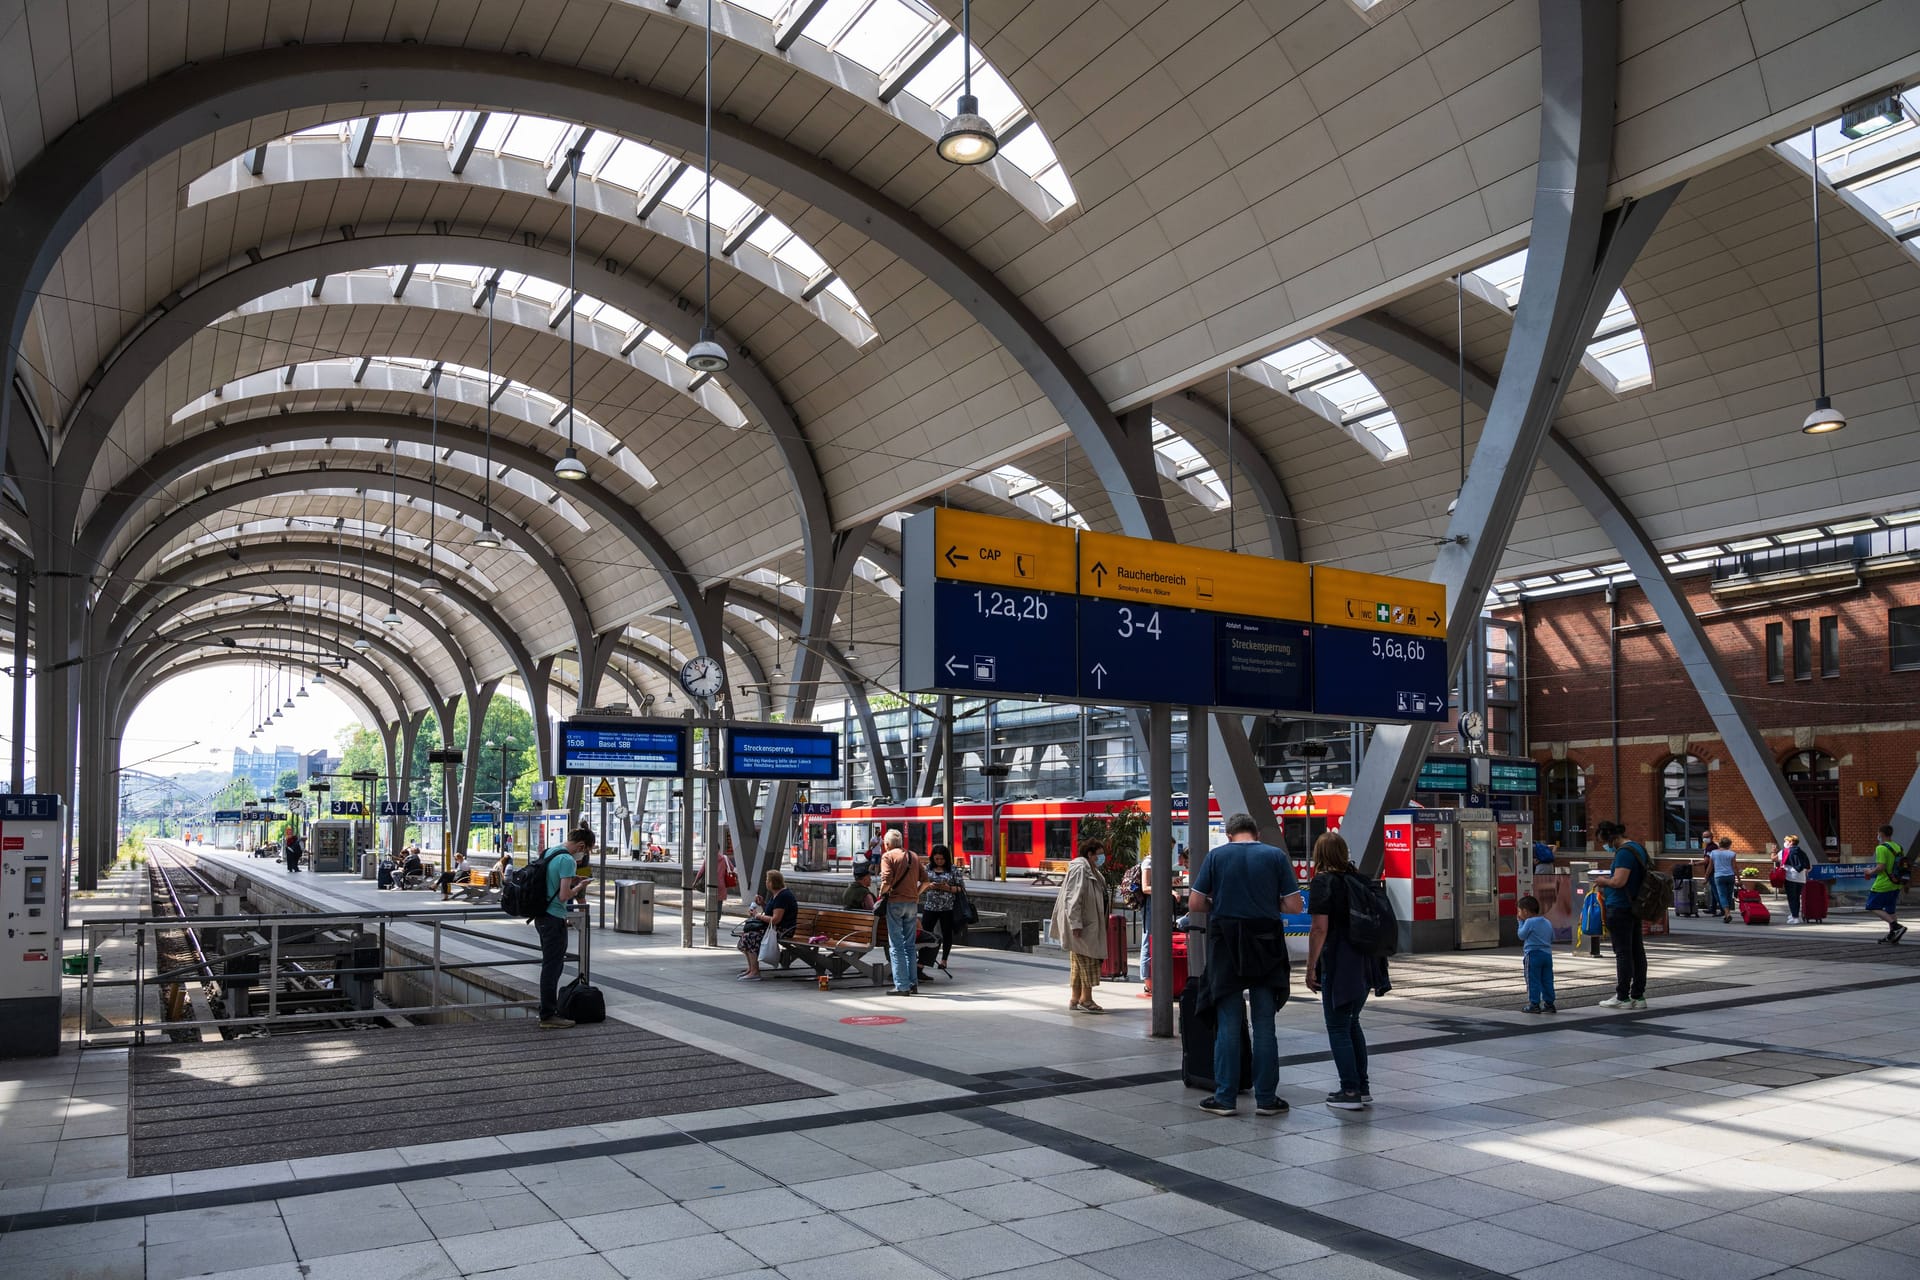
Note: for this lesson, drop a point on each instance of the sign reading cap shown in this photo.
(969, 547)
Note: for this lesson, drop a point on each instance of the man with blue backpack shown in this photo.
(543, 891)
(1629, 900)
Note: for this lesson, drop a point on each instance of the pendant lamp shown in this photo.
(431, 583)
(1825, 418)
(968, 138)
(360, 640)
(569, 466)
(707, 355)
(487, 537)
(1460, 381)
(392, 616)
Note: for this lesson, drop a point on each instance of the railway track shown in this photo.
(184, 966)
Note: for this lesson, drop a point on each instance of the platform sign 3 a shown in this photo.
(988, 605)
(1379, 647)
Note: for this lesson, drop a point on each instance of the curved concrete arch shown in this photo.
(292, 162)
(141, 355)
(370, 716)
(261, 623)
(360, 289)
(444, 563)
(157, 653)
(1208, 426)
(127, 569)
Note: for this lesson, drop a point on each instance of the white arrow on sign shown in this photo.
(1099, 674)
(951, 668)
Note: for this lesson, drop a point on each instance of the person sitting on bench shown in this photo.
(412, 870)
(456, 874)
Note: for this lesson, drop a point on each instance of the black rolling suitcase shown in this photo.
(1684, 902)
(1196, 1044)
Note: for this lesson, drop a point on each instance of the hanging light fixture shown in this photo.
(487, 537)
(707, 355)
(1824, 418)
(360, 641)
(569, 467)
(1460, 380)
(968, 138)
(431, 583)
(391, 618)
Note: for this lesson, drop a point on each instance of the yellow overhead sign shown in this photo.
(969, 547)
(1165, 573)
(1375, 602)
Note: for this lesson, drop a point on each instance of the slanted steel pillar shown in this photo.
(1576, 259)
(478, 701)
(1199, 793)
(1160, 875)
(22, 594)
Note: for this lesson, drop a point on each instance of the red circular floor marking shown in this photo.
(872, 1020)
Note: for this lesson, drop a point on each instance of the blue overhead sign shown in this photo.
(624, 749)
(348, 809)
(998, 641)
(1373, 675)
(396, 808)
(807, 755)
(1139, 653)
(231, 815)
(28, 807)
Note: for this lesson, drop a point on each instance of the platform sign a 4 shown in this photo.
(1379, 647)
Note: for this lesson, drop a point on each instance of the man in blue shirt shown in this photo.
(1245, 885)
(563, 887)
(1618, 888)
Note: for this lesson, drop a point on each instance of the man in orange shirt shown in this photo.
(903, 879)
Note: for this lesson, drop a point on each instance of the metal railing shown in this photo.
(273, 954)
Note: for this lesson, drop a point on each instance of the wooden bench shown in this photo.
(1050, 873)
(475, 888)
(832, 942)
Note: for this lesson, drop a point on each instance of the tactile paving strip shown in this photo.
(244, 1101)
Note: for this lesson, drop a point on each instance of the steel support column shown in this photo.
(1576, 259)
(477, 704)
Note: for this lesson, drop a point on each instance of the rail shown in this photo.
(282, 943)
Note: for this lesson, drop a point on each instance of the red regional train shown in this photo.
(1036, 831)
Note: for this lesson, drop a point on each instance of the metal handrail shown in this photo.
(440, 925)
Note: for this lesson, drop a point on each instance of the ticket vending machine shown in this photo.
(330, 844)
(32, 905)
(1419, 874)
(1513, 859)
(1476, 839)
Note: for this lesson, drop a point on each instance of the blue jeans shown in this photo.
(1226, 1046)
(903, 927)
(1539, 977)
(1348, 1043)
(1729, 900)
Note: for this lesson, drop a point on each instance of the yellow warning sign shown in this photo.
(1164, 573)
(604, 791)
(1375, 602)
(969, 547)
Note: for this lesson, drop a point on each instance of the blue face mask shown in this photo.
(1099, 859)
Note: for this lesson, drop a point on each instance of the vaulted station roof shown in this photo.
(259, 337)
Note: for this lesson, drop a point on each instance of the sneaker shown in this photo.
(1278, 1107)
(555, 1024)
(1552, 1008)
(895, 991)
(1341, 1100)
(1215, 1107)
(1531, 1008)
(1615, 1002)
(1793, 919)
(1366, 1094)
(1899, 932)
(1639, 1004)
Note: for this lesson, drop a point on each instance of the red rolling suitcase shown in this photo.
(1752, 910)
(1813, 900)
(1115, 965)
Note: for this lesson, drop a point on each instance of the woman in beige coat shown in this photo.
(1080, 922)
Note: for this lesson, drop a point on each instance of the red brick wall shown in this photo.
(1567, 702)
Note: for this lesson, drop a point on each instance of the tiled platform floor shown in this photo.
(1499, 1144)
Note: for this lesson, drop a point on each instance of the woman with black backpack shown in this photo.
(1342, 973)
(1793, 860)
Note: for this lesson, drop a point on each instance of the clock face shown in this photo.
(1472, 725)
(703, 677)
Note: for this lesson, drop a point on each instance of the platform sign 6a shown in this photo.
(1379, 647)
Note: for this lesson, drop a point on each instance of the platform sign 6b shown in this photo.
(1379, 647)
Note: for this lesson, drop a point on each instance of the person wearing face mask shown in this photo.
(1618, 888)
(1080, 922)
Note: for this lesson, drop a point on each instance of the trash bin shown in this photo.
(369, 865)
(980, 866)
(633, 906)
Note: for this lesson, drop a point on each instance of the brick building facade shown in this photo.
(1827, 665)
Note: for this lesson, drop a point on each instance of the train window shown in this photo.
(1299, 836)
(973, 837)
(1019, 836)
(1059, 838)
(917, 837)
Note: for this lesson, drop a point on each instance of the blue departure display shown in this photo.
(1263, 665)
(999, 641)
(1139, 653)
(798, 754)
(1371, 675)
(650, 751)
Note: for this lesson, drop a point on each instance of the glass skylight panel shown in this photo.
(1188, 462)
(1319, 376)
(879, 36)
(533, 137)
(1617, 346)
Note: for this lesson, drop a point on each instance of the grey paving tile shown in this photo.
(1640, 1208)
(316, 1237)
(459, 1188)
(959, 1174)
(1303, 1187)
(1567, 1225)
(558, 1269)
(1097, 1186)
(18, 1247)
(1862, 1262)
(1790, 1245)
(1058, 1269)
(425, 1261)
(1172, 1214)
(606, 1231)
(1496, 1248)
(683, 1258)
(1079, 1231)
(857, 1191)
(1377, 1172)
(497, 1213)
(916, 1218)
(1337, 1267)
(884, 1263)
(1389, 1212)
(1158, 1259)
(779, 1243)
(494, 1250)
(979, 1252)
(263, 1242)
(752, 1208)
(1034, 1162)
(1679, 1256)
(119, 1264)
(1255, 1245)
(1006, 1201)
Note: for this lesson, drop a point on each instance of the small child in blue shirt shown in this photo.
(1536, 943)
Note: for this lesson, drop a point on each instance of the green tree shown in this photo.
(361, 748)
(235, 793)
(1122, 828)
(287, 781)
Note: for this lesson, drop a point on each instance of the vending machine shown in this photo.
(1419, 876)
(1513, 853)
(330, 844)
(1476, 837)
(32, 905)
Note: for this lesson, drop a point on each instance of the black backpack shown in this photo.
(1656, 887)
(1900, 869)
(1798, 860)
(1372, 927)
(523, 891)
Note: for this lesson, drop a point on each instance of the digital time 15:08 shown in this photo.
(1399, 650)
(1020, 608)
